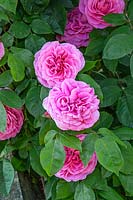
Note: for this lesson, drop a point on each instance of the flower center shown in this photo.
(104, 6)
(56, 63)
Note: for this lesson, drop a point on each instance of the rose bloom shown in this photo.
(96, 9)
(73, 168)
(2, 50)
(77, 29)
(56, 62)
(14, 124)
(73, 105)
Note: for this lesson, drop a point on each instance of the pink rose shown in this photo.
(77, 29)
(73, 105)
(2, 50)
(73, 168)
(15, 120)
(56, 62)
(96, 9)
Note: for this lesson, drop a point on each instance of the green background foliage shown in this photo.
(25, 26)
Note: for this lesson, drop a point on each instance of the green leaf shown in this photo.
(88, 66)
(6, 177)
(67, 3)
(35, 161)
(110, 194)
(40, 26)
(22, 86)
(118, 46)
(111, 65)
(83, 192)
(5, 78)
(130, 10)
(88, 148)
(17, 67)
(3, 61)
(34, 42)
(9, 5)
(64, 190)
(70, 141)
(127, 183)
(33, 102)
(111, 136)
(2, 118)
(19, 164)
(44, 92)
(109, 155)
(86, 78)
(24, 55)
(127, 154)
(10, 98)
(33, 7)
(7, 39)
(96, 180)
(52, 156)
(125, 111)
(131, 66)
(50, 187)
(3, 16)
(111, 92)
(46, 126)
(125, 29)
(59, 13)
(19, 29)
(50, 135)
(115, 19)
(3, 145)
(105, 120)
(95, 47)
(124, 133)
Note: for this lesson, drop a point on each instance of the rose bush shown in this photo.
(94, 10)
(55, 62)
(77, 29)
(73, 105)
(51, 92)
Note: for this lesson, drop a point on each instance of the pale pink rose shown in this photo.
(73, 105)
(2, 50)
(96, 9)
(77, 29)
(14, 124)
(73, 168)
(56, 62)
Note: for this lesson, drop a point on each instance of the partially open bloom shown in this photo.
(96, 9)
(56, 62)
(73, 168)
(2, 50)
(77, 29)
(73, 105)
(14, 124)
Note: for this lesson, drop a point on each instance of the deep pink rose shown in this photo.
(55, 62)
(2, 50)
(96, 9)
(73, 105)
(15, 120)
(73, 168)
(77, 29)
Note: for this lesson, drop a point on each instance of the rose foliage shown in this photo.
(66, 97)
